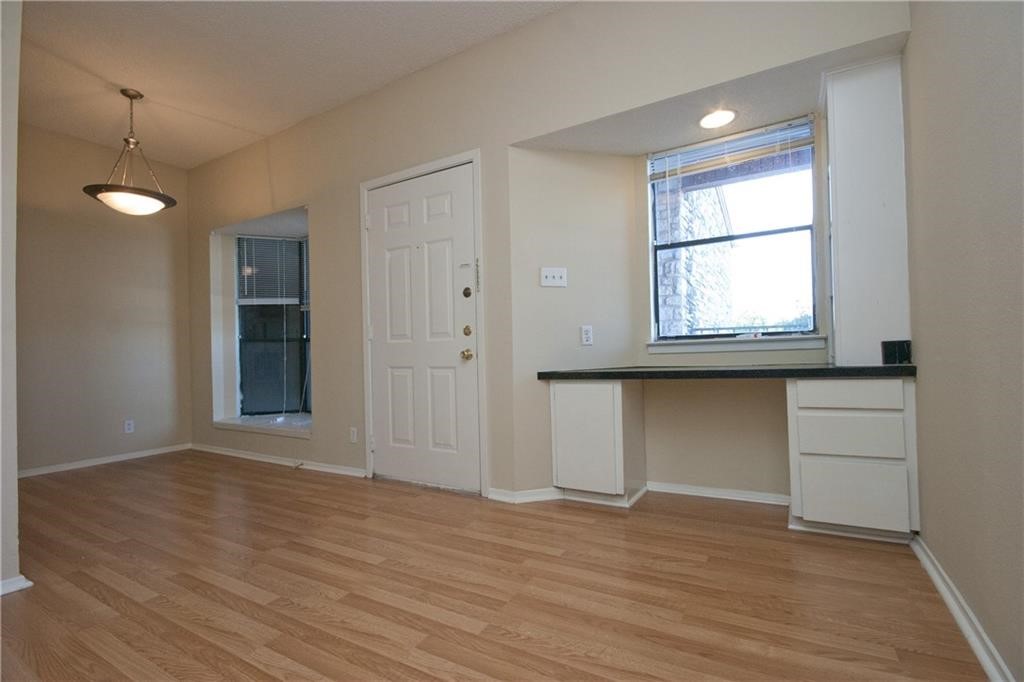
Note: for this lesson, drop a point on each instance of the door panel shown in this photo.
(423, 368)
(399, 295)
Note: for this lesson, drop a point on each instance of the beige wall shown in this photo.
(574, 211)
(573, 66)
(720, 434)
(963, 94)
(10, 43)
(103, 322)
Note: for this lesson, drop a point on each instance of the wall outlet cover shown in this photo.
(586, 335)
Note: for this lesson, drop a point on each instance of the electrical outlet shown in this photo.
(586, 335)
(353, 435)
(554, 277)
(129, 426)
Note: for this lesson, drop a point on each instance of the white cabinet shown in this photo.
(597, 439)
(868, 208)
(853, 453)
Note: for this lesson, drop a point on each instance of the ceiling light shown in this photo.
(125, 196)
(718, 118)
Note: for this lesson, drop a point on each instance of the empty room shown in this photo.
(653, 340)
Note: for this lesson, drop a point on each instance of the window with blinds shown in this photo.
(732, 234)
(273, 325)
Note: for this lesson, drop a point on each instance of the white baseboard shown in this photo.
(798, 524)
(549, 494)
(97, 461)
(620, 501)
(523, 496)
(718, 493)
(14, 584)
(992, 663)
(283, 461)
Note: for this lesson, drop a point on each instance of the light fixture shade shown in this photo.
(126, 197)
(718, 118)
(130, 200)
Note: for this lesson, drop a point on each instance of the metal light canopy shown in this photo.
(126, 197)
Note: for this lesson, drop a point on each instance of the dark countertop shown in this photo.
(738, 372)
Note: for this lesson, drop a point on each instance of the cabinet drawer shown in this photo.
(867, 434)
(855, 493)
(879, 394)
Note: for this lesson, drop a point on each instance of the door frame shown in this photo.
(471, 157)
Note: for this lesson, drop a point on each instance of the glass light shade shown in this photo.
(130, 200)
(718, 118)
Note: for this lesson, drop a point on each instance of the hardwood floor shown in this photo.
(201, 567)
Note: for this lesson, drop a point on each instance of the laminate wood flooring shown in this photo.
(196, 566)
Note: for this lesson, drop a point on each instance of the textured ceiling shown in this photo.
(768, 97)
(220, 75)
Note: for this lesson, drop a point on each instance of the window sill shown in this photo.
(762, 343)
(284, 430)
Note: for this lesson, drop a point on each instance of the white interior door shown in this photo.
(423, 330)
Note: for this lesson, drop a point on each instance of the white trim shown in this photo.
(18, 582)
(761, 343)
(97, 461)
(718, 493)
(549, 494)
(282, 461)
(283, 431)
(636, 496)
(895, 537)
(473, 158)
(991, 662)
(523, 496)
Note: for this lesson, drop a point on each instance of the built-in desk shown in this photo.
(852, 439)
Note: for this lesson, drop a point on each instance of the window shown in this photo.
(732, 235)
(273, 325)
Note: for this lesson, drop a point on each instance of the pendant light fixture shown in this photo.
(126, 197)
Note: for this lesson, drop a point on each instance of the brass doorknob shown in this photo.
(466, 354)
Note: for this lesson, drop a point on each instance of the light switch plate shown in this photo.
(554, 277)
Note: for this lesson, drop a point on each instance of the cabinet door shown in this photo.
(854, 492)
(586, 433)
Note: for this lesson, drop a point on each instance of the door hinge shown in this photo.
(369, 333)
(478, 275)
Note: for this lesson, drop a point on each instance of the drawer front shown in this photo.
(855, 493)
(879, 394)
(867, 434)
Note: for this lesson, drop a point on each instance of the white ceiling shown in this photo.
(220, 75)
(768, 97)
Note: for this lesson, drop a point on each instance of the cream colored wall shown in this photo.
(574, 211)
(103, 323)
(10, 53)
(578, 64)
(719, 434)
(963, 94)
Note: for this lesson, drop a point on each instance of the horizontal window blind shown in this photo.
(790, 142)
(269, 270)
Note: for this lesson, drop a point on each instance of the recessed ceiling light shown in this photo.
(718, 118)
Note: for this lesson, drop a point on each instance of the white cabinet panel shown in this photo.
(855, 492)
(586, 426)
(867, 190)
(864, 434)
(881, 394)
